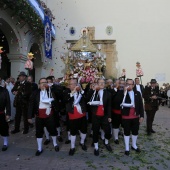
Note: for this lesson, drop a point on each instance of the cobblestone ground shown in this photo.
(155, 152)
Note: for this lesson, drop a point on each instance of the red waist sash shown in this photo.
(116, 111)
(131, 115)
(42, 113)
(75, 114)
(100, 110)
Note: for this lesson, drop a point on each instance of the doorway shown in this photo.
(5, 70)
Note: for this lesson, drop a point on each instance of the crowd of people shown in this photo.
(104, 106)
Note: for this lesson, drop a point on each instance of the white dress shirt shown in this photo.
(138, 88)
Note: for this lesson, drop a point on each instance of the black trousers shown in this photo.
(78, 124)
(150, 114)
(100, 122)
(116, 120)
(4, 128)
(130, 125)
(57, 119)
(21, 110)
(49, 123)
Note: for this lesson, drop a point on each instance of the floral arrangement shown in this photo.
(84, 74)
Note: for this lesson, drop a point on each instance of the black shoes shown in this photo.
(92, 144)
(47, 141)
(116, 141)
(25, 132)
(67, 141)
(56, 148)
(31, 125)
(15, 131)
(127, 153)
(96, 152)
(91, 135)
(152, 131)
(72, 151)
(60, 139)
(38, 153)
(137, 149)
(4, 148)
(108, 147)
(84, 147)
(149, 133)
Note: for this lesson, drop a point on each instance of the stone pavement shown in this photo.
(155, 152)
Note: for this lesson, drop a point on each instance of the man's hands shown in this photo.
(140, 119)
(154, 97)
(109, 120)
(7, 118)
(30, 121)
(15, 92)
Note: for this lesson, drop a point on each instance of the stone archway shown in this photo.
(13, 36)
(10, 46)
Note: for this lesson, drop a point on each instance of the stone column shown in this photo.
(17, 64)
(111, 59)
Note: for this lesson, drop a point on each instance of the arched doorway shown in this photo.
(37, 69)
(10, 38)
(5, 70)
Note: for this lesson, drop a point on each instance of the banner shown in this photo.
(48, 37)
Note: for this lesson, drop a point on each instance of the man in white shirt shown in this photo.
(138, 87)
(42, 104)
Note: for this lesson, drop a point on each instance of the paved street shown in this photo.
(155, 152)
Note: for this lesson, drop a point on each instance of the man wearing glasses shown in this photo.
(132, 115)
(100, 100)
(42, 104)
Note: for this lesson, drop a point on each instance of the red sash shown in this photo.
(42, 113)
(131, 115)
(75, 114)
(100, 110)
(116, 111)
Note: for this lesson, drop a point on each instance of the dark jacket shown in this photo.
(141, 88)
(69, 102)
(116, 99)
(151, 104)
(138, 104)
(34, 86)
(106, 102)
(24, 92)
(5, 101)
(33, 107)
